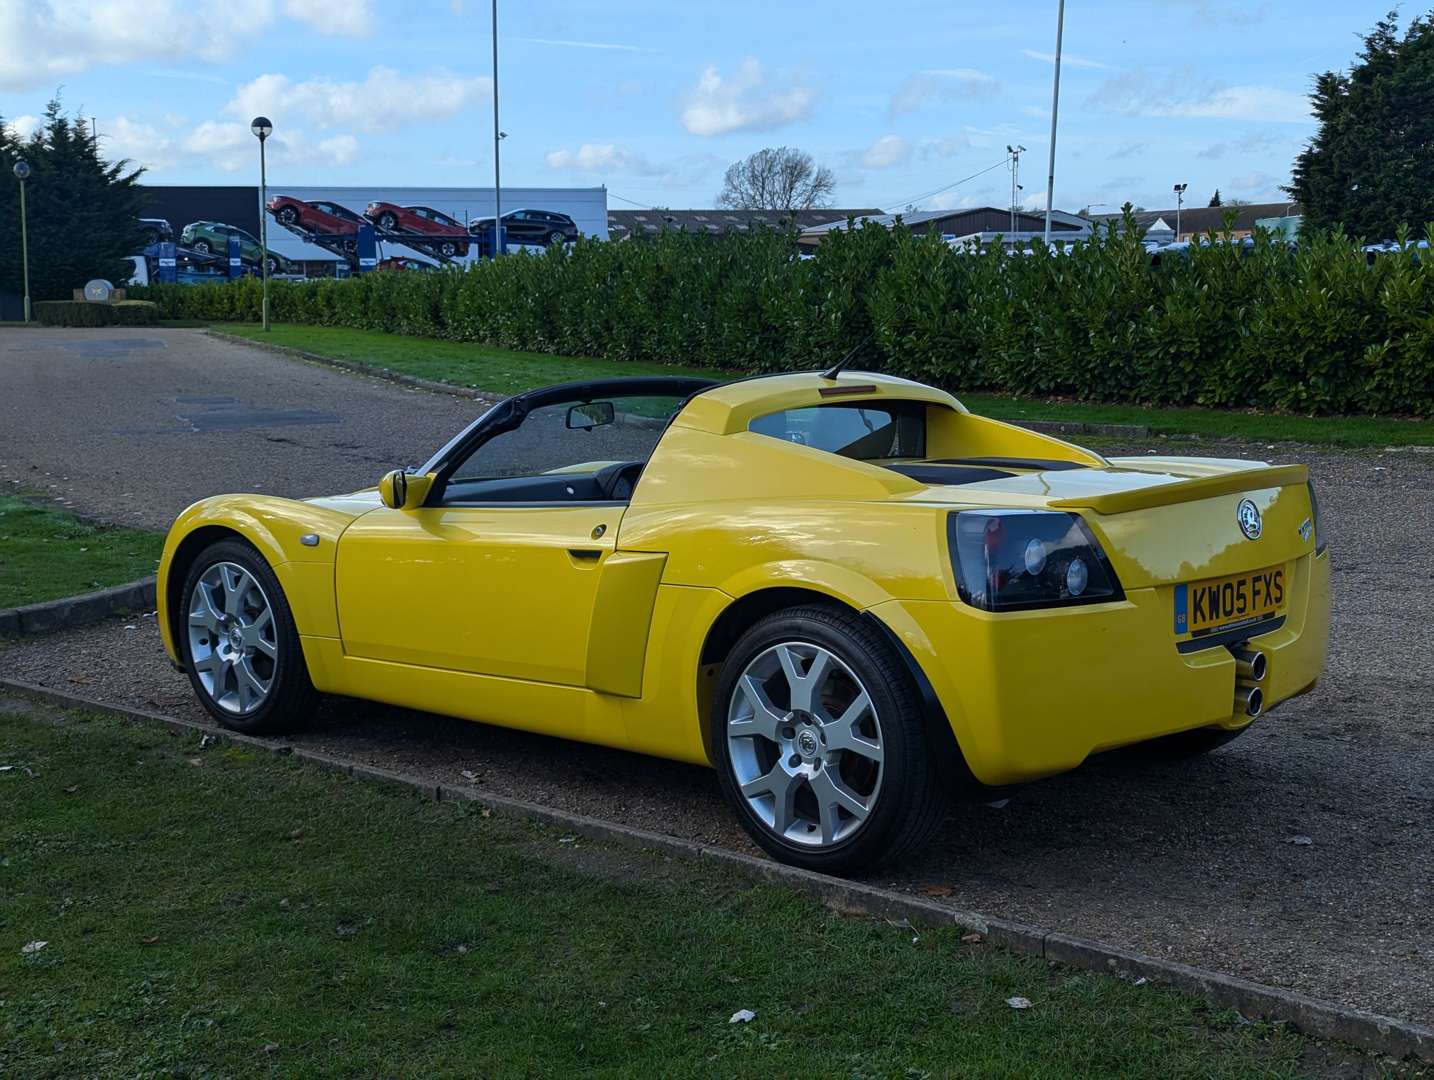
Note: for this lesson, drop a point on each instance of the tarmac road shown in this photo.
(1202, 862)
(133, 425)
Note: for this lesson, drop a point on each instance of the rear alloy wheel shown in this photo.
(387, 222)
(272, 263)
(288, 215)
(448, 249)
(820, 744)
(201, 246)
(241, 647)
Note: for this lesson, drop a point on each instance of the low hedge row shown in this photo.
(85, 313)
(1314, 330)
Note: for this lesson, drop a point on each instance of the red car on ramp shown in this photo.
(321, 216)
(448, 236)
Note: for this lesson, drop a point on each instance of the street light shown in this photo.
(499, 247)
(262, 129)
(1055, 109)
(1179, 190)
(22, 172)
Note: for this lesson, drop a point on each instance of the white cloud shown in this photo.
(225, 145)
(942, 84)
(42, 42)
(22, 127)
(383, 101)
(887, 151)
(1187, 94)
(349, 18)
(601, 157)
(1067, 59)
(744, 102)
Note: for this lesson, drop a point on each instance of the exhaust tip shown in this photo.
(1250, 664)
(1249, 700)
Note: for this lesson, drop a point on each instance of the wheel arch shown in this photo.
(274, 528)
(745, 611)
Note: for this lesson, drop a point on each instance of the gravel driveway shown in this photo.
(1204, 862)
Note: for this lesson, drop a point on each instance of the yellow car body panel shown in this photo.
(590, 621)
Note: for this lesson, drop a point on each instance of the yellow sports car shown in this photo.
(844, 591)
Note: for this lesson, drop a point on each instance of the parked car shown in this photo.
(155, 231)
(212, 238)
(844, 591)
(448, 236)
(319, 216)
(401, 262)
(537, 227)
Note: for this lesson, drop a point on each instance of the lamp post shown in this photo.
(1055, 108)
(262, 128)
(499, 247)
(1179, 190)
(22, 172)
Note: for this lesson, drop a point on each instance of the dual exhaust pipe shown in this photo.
(1250, 668)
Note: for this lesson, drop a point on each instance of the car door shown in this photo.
(498, 571)
(494, 590)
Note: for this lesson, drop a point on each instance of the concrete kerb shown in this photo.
(1398, 1039)
(353, 368)
(70, 611)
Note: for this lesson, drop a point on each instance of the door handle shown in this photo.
(585, 555)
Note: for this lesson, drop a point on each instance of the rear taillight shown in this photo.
(1014, 560)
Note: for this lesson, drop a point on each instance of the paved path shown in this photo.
(133, 425)
(1193, 862)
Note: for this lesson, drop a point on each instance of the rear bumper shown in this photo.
(1030, 694)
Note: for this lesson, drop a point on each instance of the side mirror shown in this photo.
(403, 490)
(593, 414)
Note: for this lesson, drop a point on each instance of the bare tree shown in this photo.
(780, 178)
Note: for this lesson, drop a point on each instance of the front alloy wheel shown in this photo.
(231, 638)
(820, 744)
(240, 644)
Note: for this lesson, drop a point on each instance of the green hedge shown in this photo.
(1317, 330)
(85, 313)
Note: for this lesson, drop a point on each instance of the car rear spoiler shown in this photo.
(1203, 487)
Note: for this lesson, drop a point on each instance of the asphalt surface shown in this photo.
(1204, 862)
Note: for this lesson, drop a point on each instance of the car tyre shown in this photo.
(272, 263)
(201, 246)
(387, 221)
(836, 788)
(448, 249)
(557, 237)
(247, 669)
(288, 215)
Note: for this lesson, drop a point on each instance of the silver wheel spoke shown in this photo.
(765, 718)
(202, 611)
(781, 786)
(236, 584)
(841, 733)
(806, 689)
(832, 794)
(251, 687)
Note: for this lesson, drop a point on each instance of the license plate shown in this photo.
(1220, 603)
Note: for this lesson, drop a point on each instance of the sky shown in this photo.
(903, 101)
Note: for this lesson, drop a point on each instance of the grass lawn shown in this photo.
(47, 552)
(503, 371)
(220, 911)
(506, 371)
